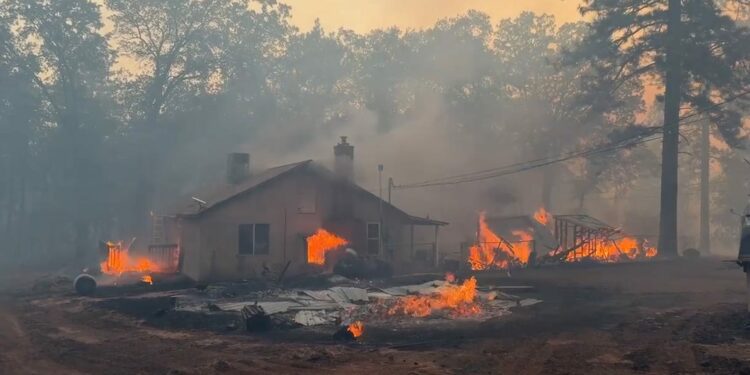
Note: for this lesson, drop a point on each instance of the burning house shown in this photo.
(293, 218)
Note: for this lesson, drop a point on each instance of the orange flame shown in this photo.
(542, 216)
(492, 251)
(147, 279)
(320, 243)
(459, 299)
(356, 329)
(522, 248)
(119, 261)
(485, 254)
(614, 250)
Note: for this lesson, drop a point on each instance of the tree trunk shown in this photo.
(705, 231)
(668, 206)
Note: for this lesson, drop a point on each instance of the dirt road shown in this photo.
(680, 317)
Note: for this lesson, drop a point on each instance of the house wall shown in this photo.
(189, 243)
(294, 206)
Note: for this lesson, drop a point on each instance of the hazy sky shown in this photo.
(365, 15)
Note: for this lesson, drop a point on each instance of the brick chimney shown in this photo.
(343, 163)
(238, 167)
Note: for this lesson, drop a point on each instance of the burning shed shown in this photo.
(294, 218)
(524, 229)
(502, 241)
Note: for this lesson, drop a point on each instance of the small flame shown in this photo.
(542, 216)
(460, 300)
(147, 279)
(320, 243)
(356, 329)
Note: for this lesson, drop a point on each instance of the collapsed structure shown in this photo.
(292, 218)
(504, 242)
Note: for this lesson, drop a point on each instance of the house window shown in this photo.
(254, 239)
(373, 238)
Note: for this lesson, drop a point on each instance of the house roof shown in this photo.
(227, 192)
(224, 192)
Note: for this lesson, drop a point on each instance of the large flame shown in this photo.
(120, 261)
(491, 251)
(485, 254)
(356, 329)
(459, 300)
(542, 216)
(320, 243)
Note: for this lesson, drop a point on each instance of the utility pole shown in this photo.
(390, 187)
(705, 230)
(670, 143)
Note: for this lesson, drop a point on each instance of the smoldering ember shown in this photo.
(347, 187)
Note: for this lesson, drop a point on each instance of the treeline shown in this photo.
(106, 109)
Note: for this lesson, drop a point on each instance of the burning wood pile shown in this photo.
(529, 241)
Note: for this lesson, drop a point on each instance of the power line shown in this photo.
(649, 135)
(521, 167)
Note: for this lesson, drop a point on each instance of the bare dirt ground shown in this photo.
(685, 317)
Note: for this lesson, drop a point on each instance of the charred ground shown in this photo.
(660, 317)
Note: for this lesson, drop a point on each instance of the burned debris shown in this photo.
(343, 310)
(544, 239)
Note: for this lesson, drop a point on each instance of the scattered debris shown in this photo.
(257, 309)
(314, 318)
(255, 319)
